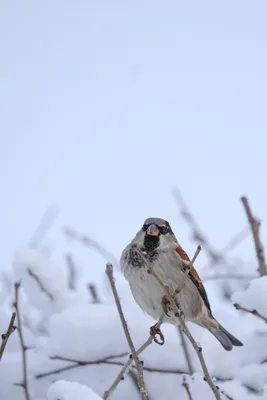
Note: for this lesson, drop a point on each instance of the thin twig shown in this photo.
(236, 240)
(253, 312)
(5, 336)
(129, 362)
(183, 342)
(198, 236)
(138, 363)
(105, 361)
(227, 395)
(186, 351)
(184, 327)
(91, 243)
(93, 291)
(40, 284)
(255, 228)
(71, 272)
(186, 386)
(24, 383)
(80, 362)
(216, 256)
(189, 266)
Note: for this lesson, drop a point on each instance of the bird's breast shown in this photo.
(148, 292)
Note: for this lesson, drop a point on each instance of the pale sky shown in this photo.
(108, 105)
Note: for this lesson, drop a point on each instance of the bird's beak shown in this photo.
(152, 230)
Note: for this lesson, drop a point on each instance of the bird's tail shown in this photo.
(225, 338)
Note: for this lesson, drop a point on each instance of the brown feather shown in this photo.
(193, 275)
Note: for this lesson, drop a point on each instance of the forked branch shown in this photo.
(130, 361)
(253, 312)
(138, 363)
(107, 361)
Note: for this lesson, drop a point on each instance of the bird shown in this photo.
(156, 244)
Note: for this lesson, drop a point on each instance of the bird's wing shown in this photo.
(193, 275)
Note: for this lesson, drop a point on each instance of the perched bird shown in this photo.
(170, 262)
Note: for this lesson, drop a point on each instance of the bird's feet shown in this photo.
(154, 332)
(165, 304)
(180, 314)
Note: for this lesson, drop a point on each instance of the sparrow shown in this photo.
(156, 242)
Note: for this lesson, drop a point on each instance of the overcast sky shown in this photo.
(107, 105)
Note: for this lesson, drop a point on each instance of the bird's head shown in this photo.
(156, 235)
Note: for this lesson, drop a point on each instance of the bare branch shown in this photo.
(186, 351)
(93, 291)
(106, 361)
(236, 240)
(216, 256)
(99, 361)
(72, 272)
(91, 243)
(138, 363)
(255, 228)
(134, 379)
(253, 312)
(5, 336)
(40, 284)
(186, 386)
(186, 331)
(227, 395)
(181, 286)
(129, 362)
(183, 342)
(198, 236)
(24, 383)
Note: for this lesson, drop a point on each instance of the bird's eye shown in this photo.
(145, 226)
(164, 229)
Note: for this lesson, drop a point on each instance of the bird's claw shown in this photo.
(179, 314)
(154, 331)
(165, 303)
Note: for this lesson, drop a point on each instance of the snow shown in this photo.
(63, 390)
(82, 346)
(53, 294)
(71, 329)
(2, 294)
(254, 297)
(85, 333)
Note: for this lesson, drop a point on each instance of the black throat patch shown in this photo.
(151, 243)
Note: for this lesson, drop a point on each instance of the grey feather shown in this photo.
(226, 339)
